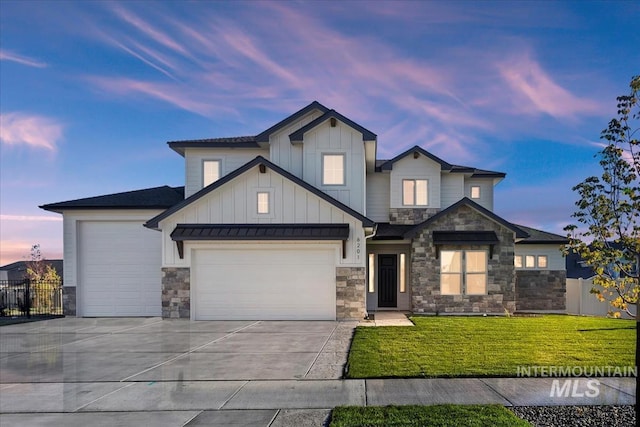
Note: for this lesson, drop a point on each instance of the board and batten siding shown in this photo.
(230, 160)
(284, 154)
(486, 191)
(236, 203)
(420, 168)
(378, 197)
(71, 221)
(452, 189)
(555, 259)
(341, 139)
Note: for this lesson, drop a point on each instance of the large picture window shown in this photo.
(463, 272)
(333, 169)
(415, 192)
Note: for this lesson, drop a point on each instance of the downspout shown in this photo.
(366, 285)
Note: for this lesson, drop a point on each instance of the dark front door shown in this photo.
(387, 280)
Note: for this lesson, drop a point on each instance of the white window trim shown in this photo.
(463, 272)
(202, 163)
(344, 169)
(415, 194)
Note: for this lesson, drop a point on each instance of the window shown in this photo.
(372, 277)
(517, 261)
(530, 261)
(403, 285)
(333, 169)
(475, 192)
(542, 261)
(210, 172)
(415, 192)
(263, 202)
(463, 272)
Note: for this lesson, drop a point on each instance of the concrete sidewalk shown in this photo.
(280, 402)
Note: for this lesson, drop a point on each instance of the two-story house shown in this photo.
(302, 221)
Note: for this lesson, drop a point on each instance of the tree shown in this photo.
(45, 280)
(609, 213)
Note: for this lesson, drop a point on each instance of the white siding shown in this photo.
(452, 189)
(341, 139)
(235, 203)
(486, 191)
(378, 197)
(230, 160)
(285, 154)
(555, 258)
(420, 168)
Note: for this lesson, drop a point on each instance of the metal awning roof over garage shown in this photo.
(184, 232)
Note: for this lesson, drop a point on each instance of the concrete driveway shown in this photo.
(172, 370)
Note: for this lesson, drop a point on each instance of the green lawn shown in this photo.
(427, 416)
(489, 346)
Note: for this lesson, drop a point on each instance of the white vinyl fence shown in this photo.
(581, 301)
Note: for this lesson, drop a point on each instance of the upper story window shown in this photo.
(263, 202)
(333, 170)
(475, 191)
(210, 171)
(415, 192)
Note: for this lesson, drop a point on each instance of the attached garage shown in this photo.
(264, 282)
(119, 269)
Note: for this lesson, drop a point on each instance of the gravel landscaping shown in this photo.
(577, 416)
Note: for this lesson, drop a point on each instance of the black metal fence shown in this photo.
(26, 298)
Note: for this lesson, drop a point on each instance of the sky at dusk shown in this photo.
(91, 91)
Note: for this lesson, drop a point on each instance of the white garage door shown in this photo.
(273, 282)
(119, 269)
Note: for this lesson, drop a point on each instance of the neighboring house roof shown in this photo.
(229, 142)
(260, 232)
(576, 268)
(540, 237)
(315, 105)
(298, 135)
(18, 270)
(149, 198)
(473, 205)
(384, 165)
(153, 223)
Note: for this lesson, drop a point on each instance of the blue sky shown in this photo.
(91, 91)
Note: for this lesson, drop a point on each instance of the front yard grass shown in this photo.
(489, 346)
(427, 416)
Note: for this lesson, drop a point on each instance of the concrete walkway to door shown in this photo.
(104, 372)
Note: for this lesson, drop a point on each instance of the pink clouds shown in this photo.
(5, 55)
(32, 130)
(537, 92)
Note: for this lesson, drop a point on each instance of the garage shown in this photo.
(119, 269)
(264, 282)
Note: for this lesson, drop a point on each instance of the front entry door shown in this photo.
(387, 280)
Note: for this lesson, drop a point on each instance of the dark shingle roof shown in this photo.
(539, 236)
(149, 198)
(298, 135)
(260, 232)
(315, 105)
(228, 142)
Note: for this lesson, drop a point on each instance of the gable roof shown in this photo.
(387, 165)
(298, 135)
(228, 142)
(473, 205)
(153, 222)
(148, 198)
(541, 237)
(315, 105)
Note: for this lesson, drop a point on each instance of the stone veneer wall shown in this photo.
(69, 300)
(350, 292)
(176, 292)
(410, 216)
(425, 268)
(541, 290)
